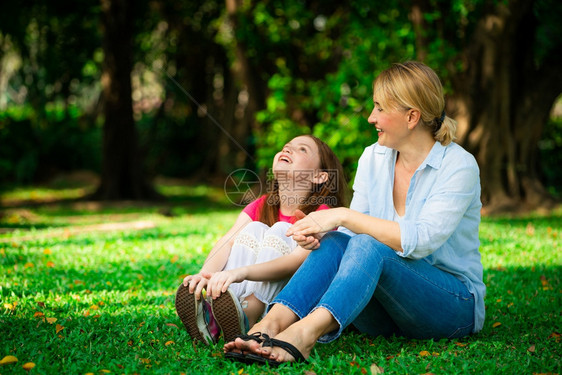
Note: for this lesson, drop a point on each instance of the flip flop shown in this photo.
(243, 357)
(288, 347)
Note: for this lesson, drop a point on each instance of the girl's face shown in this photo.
(300, 154)
(391, 125)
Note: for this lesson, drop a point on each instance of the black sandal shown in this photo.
(286, 346)
(243, 357)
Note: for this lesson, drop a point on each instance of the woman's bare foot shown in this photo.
(302, 335)
(252, 346)
(299, 335)
(276, 320)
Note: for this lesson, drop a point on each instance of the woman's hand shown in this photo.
(220, 281)
(315, 223)
(196, 283)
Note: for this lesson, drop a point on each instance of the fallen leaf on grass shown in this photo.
(38, 314)
(94, 307)
(555, 336)
(59, 328)
(172, 325)
(496, 324)
(50, 264)
(174, 259)
(424, 353)
(168, 343)
(41, 304)
(47, 251)
(376, 369)
(531, 349)
(28, 265)
(9, 306)
(462, 345)
(105, 371)
(28, 366)
(7, 360)
(51, 320)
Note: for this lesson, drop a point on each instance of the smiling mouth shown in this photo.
(379, 130)
(285, 159)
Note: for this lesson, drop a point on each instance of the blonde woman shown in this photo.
(407, 261)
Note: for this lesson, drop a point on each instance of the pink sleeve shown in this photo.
(253, 209)
(323, 207)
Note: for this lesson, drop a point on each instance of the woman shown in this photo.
(407, 260)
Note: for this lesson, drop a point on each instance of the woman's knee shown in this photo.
(334, 241)
(366, 245)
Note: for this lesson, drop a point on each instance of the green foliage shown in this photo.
(112, 294)
(32, 150)
(313, 62)
(326, 89)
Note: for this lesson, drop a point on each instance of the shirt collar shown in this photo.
(435, 156)
(433, 159)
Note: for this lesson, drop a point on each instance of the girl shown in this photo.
(250, 264)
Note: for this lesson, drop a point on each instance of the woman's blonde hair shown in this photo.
(415, 85)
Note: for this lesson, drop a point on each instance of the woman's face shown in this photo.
(391, 125)
(301, 154)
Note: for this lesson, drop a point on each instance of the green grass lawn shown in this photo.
(89, 288)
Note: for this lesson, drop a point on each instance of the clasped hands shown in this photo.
(309, 229)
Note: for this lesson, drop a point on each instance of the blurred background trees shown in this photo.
(198, 89)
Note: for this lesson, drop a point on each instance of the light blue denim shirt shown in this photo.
(442, 215)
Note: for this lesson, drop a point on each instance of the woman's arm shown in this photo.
(386, 231)
(217, 258)
(274, 270)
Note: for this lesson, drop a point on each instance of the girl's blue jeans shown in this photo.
(359, 280)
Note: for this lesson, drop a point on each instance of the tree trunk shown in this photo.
(122, 168)
(501, 102)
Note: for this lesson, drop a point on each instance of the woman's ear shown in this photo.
(320, 177)
(413, 117)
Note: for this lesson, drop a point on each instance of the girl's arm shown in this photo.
(217, 258)
(274, 270)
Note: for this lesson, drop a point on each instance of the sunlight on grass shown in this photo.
(76, 299)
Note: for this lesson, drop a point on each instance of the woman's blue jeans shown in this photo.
(359, 280)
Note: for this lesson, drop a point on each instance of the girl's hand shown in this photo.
(196, 283)
(315, 222)
(307, 242)
(220, 281)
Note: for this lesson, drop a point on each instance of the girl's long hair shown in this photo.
(333, 192)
